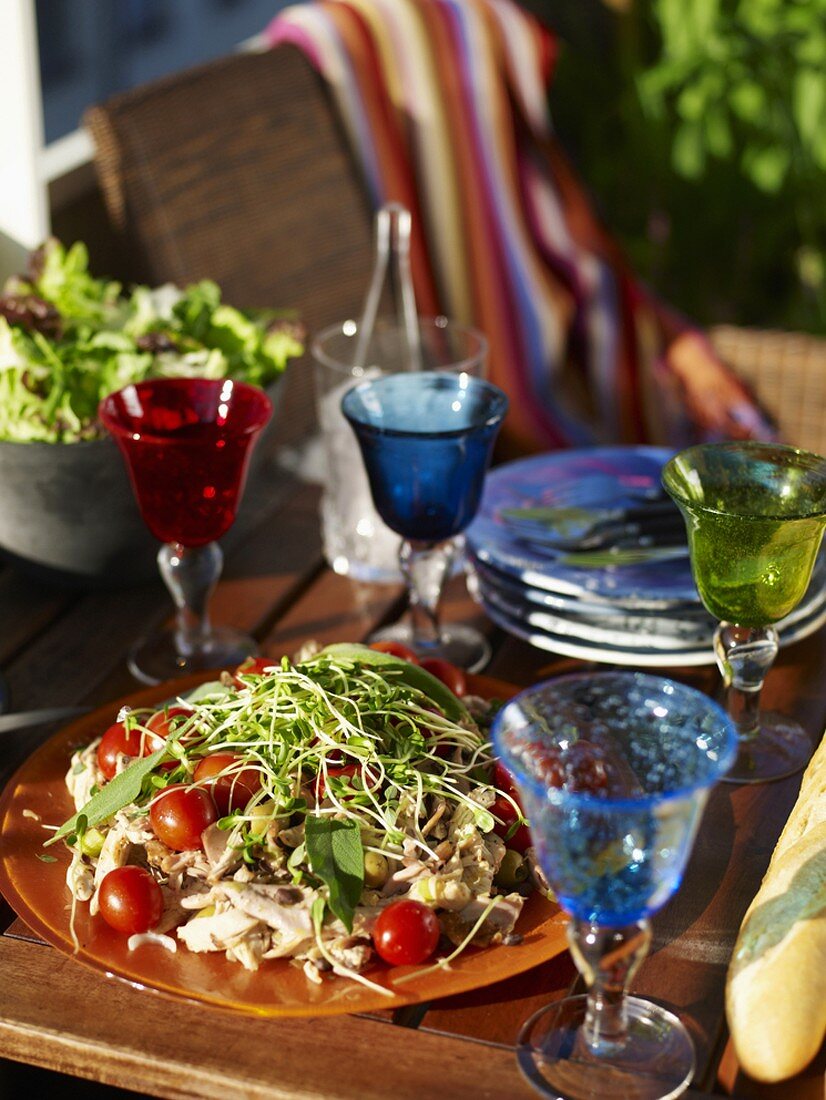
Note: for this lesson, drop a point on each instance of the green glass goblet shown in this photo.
(755, 514)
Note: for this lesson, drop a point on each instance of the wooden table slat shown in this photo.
(224, 1054)
(55, 1013)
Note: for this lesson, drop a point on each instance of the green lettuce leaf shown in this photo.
(102, 339)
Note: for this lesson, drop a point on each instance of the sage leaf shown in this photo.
(413, 675)
(336, 856)
(211, 690)
(119, 792)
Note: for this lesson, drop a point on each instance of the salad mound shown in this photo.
(326, 810)
(68, 339)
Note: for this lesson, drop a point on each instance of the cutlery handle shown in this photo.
(11, 723)
(666, 525)
(659, 509)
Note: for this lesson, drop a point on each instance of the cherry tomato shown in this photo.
(396, 649)
(507, 813)
(163, 722)
(229, 792)
(502, 779)
(586, 768)
(118, 741)
(449, 674)
(254, 666)
(130, 900)
(545, 763)
(406, 933)
(180, 814)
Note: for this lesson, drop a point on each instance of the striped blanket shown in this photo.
(445, 104)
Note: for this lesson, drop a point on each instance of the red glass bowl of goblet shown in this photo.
(186, 443)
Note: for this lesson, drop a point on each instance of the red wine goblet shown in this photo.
(186, 442)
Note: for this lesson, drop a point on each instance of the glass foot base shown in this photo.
(781, 748)
(156, 658)
(655, 1061)
(461, 645)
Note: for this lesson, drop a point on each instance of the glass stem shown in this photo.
(744, 656)
(191, 574)
(425, 566)
(607, 959)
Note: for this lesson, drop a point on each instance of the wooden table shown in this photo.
(63, 647)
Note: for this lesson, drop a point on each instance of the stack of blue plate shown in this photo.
(643, 612)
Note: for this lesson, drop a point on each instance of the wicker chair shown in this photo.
(788, 373)
(235, 171)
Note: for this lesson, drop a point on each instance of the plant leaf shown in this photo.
(718, 132)
(413, 675)
(206, 691)
(119, 792)
(335, 854)
(747, 100)
(767, 167)
(688, 151)
(809, 103)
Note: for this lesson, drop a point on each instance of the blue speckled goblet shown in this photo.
(614, 852)
(426, 438)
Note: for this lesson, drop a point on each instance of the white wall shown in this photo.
(24, 218)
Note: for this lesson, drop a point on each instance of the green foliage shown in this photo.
(743, 79)
(701, 126)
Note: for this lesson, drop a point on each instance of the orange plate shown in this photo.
(38, 893)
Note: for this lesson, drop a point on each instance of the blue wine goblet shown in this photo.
(613, 770)
(426, 439)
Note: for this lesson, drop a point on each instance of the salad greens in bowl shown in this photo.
(67, 340)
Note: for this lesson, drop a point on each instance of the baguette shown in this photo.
(776, 987)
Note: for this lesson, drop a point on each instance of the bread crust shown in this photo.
(776, 987)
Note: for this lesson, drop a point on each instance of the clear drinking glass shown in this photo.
(755, 514)
(613, 770)
(186, 442)
(356, 541)
(426, 439)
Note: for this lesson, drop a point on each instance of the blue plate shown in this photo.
(579, 606)
(594, 478)
(584, 649)
(654, 630)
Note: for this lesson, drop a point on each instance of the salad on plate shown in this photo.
(68, 339)
(342, 810)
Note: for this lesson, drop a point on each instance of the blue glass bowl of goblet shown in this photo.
(638, 754)
(426, 438)
(617, 854)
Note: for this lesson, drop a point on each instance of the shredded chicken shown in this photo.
(115, 853)
(249, 891)
(83, 774)
(217, 931)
